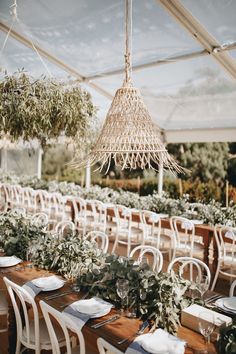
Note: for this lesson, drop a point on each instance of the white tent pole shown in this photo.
(88, 176)
(39, 163)
(160, 178)
(4, 159)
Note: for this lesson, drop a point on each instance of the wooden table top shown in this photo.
(113, 332)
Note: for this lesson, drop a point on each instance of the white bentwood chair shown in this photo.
(40, 219)
(129, 233)
(31, 333)
(100, 238)
(63, 227)
(185, 240)
(154, 235)
(66, 324)
(106, 348)
(195, 268)
(225, 238)
(145, 251)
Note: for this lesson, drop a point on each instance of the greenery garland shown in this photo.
(156, 297)
(42, 109)
(17, 233)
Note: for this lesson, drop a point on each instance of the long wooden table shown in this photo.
(112, 332)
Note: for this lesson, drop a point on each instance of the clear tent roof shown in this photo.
(197, 93)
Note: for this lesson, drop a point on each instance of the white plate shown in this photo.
(220, 303)
(9, 261)
(48, 283)
(230, 303)
(100, 314)
(197, 222)
(89, 306)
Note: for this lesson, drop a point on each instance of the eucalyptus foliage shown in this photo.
(70, 256)
(157, 297)
(43, 109)
(227, 340)
(17, 233)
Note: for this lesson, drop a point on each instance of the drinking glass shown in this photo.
(122, 289)
(206, 324)
(202, 283)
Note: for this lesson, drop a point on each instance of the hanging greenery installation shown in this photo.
(43, 109)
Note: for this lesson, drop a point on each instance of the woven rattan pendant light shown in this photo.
(129, 136)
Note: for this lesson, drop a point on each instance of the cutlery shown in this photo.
(213, 298)
(103, 323)
(142, 328)
(51, 297)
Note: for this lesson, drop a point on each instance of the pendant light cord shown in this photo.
(128, 41)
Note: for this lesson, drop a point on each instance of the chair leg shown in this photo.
(18, 346)
(216, 276)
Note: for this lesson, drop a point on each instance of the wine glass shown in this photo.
(122, 289)
(206, 324)
(202, 283)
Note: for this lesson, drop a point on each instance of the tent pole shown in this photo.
(88, 176)
(160, 178)
(39, 163)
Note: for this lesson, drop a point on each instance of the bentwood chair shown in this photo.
(129, 233)
(153, 232)
(147, 251)
(31, 332)
(106, 348)
(63, 227)
(80, 213)
(40, 219)
(100, 238)
(185, 240)
(191, 268)
(232, 287)
(66, 325)
(225, 239)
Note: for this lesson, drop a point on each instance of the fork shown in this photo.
(142, 328)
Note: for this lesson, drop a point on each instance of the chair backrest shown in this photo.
(183, 231)
(125, 217)
(145, 250)
(152, 222)
(232, 287)
(101, 213)
(63, 227)
(66, 324)
(30, 199)
(194, 268)
(40, 219)
(106, 348)
(225, 237)
(25, 300)
(100, 238)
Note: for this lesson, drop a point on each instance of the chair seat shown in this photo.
(44, 335)
(3, 304)
(187, 247)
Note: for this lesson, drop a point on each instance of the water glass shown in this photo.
(122, 289)
(202, 283)
(206, 324)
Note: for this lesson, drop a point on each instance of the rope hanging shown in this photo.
(15, 18)
(129, 136)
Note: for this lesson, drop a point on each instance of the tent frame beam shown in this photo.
(59, 63)
(199, 33)
(157, 62)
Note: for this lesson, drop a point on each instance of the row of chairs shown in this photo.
(42, 334)
(118, 222)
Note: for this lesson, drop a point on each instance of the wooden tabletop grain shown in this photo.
(113, 332)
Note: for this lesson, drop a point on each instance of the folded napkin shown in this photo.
(159, 342)
(31, 288)
(80, 318)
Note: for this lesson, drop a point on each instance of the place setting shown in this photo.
(44, 284)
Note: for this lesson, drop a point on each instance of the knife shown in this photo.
(103, 323)
(51, 297)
